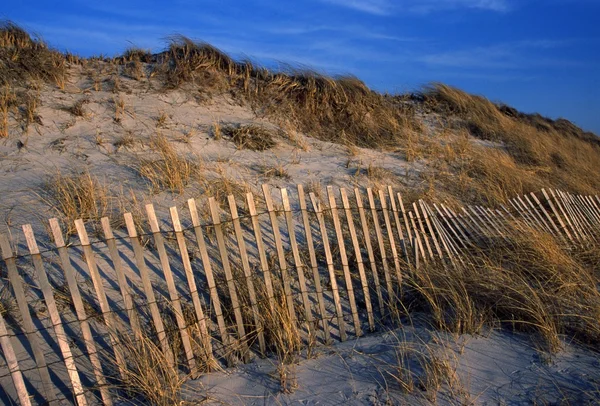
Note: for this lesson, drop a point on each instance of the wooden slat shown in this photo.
(456, 227)
(107, 313)
(359, 260)
(390, 234)
(417, 238)
(140, 262)
(314, 265)
(344, 258)
(239, 235)
(13, 365)
(422, 230)
(30, 331)
(122, 279)
(579, 216)
(522, 212)
(439, 229)
(461, 225)
(262, 254)
(207, 356)
(381, 244)
(369, 246)
(159, 243)
(569, 214)
(61, 336)
(556, 230)
(235, 303)
(406, 223)
(563, 227)
(539, 215)
(397, 222)
(431, 231)
(330, 268)
(285, 279)
(210, 279)
(592, 214)
(450, 226)
(86, 331)
(296, 253)
(532, 214)
(565, 216)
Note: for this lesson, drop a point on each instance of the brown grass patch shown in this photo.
(250, 136)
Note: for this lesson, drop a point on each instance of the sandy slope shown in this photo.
(501, 368)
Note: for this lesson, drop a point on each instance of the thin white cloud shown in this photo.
(387, 7)
(516, 56)
(377, 7)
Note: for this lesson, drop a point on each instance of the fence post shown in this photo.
(30, 331)
(88, 338)
(210, 279)
(216, 218)
(359, 260)
(246, 268)
(61, 336)
(344, 259)
(314, 264)
(330, 268)
(159, 243)
(107, 314)
(140, 261)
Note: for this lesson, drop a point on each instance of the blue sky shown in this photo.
(536, 55)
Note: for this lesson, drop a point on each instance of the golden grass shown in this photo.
(169, 170)
(249, 136)
(78, 196)
(529, 283)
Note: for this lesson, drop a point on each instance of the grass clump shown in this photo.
(250, 136)
(27, 59)
(78, 196)
(168, 170)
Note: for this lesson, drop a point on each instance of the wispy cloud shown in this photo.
(522, 55)
(387, 7)
(377, 7)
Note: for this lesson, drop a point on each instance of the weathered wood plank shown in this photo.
(13, 365)
(86, 331)
(287, 210)
(122, 279)
(235, 303)
(61, 336)
(206, 345)
(314, 264)
(210, 279)
(344, 259)
(359, 260)
(159, 243)
(30, 331)
(140, 262)
(330, 268)
(239, 235)
(369, 246)
(285, 279)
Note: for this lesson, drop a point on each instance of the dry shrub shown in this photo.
(274, 171)
(552, 152)
(529, 282)
(25, 59)
(78, 108)
(78, 196)
(169, 170)
(253, 137)
(149, 378)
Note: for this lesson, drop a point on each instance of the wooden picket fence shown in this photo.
(67, 306)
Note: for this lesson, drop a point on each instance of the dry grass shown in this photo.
(78, 108)
(25, 59)
(149, 377)
(169, 170)
(250, 136)
(274, 171)
(529, 283)
(78, 196)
